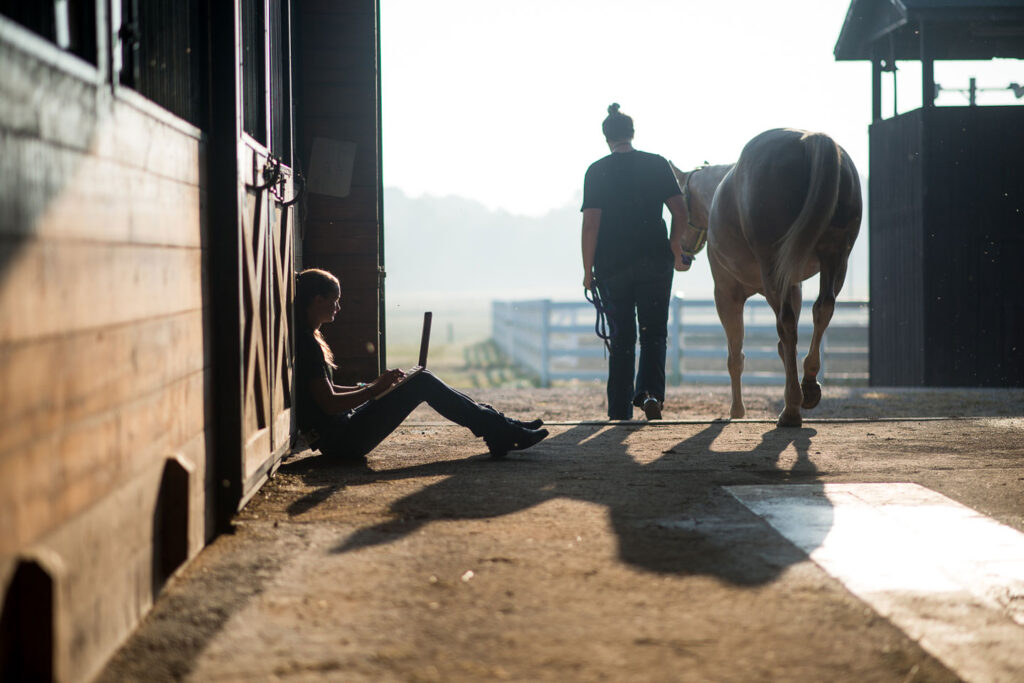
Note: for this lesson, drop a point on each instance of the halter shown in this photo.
(702, 233)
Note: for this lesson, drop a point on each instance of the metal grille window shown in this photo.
(71, 24)
(280, 96)
(265, 74)
(254, 96)
(163, 54)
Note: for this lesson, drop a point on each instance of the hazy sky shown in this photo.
(503, 102)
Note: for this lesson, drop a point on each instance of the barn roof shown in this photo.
(957, 29)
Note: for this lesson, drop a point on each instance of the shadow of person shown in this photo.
(690, 520)
(675, 514)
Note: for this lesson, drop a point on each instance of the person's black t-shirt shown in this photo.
(310, 364)
(630, 188)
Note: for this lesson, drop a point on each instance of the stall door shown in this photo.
(267, 291)
(266, 242)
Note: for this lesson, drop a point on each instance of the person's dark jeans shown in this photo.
(637, 294)
(353, 437)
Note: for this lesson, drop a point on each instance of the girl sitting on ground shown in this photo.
(349, 421)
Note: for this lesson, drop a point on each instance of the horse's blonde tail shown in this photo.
(797, 244)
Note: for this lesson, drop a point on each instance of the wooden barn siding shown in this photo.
(103, 367)
(897, 315)
(337, 97)
(974, 246)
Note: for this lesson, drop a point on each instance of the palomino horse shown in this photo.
(790, 207)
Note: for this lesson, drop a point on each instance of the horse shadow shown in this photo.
(672, 515)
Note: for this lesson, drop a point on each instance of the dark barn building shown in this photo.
(946, 190)
(152, 214)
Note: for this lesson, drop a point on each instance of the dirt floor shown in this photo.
(606, 553)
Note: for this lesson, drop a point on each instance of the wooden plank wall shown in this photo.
(896, 274)
(947, 240)
(973, 246)
(103, 349)
(337, 97)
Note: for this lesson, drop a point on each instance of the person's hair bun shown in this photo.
(613, 108)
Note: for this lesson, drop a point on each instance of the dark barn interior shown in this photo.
(160, 189)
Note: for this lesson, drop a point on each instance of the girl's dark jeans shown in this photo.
(640, 294)
(353, 436)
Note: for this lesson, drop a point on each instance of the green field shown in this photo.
(460, 349)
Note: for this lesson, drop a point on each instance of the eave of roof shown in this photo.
(965, 29)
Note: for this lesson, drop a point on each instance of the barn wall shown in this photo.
(896, 276)
(338, 97)
(947, 240)
(116, 257)
(103, 362)
(974, 246)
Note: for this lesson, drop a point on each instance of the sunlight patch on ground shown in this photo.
(948, 576)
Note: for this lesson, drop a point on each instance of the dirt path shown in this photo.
(606, 553)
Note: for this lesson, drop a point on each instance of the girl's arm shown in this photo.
(334, 399)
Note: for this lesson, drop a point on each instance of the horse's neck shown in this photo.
(702, 190)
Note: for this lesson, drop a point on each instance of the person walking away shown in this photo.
(628, 261)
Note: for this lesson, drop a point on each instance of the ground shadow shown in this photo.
(671, 515)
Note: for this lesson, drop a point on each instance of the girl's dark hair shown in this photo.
(617, 126)
(310, 283)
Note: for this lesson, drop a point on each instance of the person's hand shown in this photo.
(682, 261)
(588, 281)
(385, 381)
(390, 377)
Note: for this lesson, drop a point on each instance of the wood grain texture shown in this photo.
(44, 103)
(58, 475)
(59, 193)
(48, 384)
(108, 558)
(53, 288)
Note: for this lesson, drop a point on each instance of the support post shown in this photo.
(927, 70)
(224, 261)
(876, 89)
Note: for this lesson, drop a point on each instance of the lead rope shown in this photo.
(604, 327)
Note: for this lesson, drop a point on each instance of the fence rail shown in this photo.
(556, 341)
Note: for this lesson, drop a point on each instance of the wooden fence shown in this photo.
(556, 341)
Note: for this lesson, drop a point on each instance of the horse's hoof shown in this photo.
(789, 419)
(737, 412)
(812, 393)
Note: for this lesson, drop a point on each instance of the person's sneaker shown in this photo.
(652, 408)
(517, 440)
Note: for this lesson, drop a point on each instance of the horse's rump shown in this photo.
(801, 173)
(797, 245)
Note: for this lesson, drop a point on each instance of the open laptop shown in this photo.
(421, 366)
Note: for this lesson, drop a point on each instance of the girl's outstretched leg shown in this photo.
(373, 421)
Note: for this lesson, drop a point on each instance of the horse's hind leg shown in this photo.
(787, 313)
(729, 300)
(824, 307)
(833, 272)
